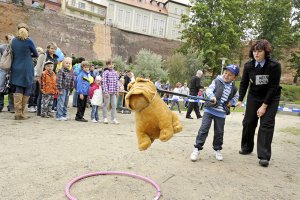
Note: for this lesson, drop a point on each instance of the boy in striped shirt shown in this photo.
(223, 94)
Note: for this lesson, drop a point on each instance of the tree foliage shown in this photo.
(295, 64)
(216, 28)
(149, 64)
(177, 68)
(274, 23)
(119, 64)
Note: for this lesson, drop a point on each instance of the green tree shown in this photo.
(177, 68)
(274, 24)
(295, 64)
(296, 22)
(97, 62)
(216, 28)
(119, 64)
(149, 63)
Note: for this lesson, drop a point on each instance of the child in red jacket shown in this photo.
(96, 97)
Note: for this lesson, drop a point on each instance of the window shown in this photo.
(73, 3)
(92, 8)
(174, 23)
(145, 23)
(82, 14)
(154, 27)
(161, 27)
(90, 17)
(137, 20)
(120, 16)
(128, 19)
(81, 5)
(182, 11)
(101, 11)
(109, 22)
(176, 11)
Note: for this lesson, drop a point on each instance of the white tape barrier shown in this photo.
(285, 109)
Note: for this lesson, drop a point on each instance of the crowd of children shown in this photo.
(56, 81)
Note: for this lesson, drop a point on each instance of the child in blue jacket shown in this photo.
(82, 87)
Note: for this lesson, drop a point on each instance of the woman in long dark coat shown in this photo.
(22, 69)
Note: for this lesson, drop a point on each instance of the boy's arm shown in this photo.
(210, 91)
(59, 80)
(234, 99)
(79, 83)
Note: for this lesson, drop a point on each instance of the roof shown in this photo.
(147, 5)
(182, 2)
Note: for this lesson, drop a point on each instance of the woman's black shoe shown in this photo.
(264, 163)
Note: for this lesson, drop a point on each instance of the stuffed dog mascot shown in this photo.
(153, 118)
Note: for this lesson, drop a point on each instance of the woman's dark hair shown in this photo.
(261, 45)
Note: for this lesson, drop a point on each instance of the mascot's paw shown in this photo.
(144, 145)
(177, 127)
(165, 135)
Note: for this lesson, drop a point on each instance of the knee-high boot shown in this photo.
(18, 106)
(24, 106)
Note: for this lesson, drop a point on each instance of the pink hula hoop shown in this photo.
(148, 180)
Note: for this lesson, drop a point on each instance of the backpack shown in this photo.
(6, 58)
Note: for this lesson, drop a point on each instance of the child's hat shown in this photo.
(98, 78)
(233, 68)
(48, 62)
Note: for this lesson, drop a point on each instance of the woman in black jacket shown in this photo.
(263, 74)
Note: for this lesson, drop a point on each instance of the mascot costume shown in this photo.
(154, 120)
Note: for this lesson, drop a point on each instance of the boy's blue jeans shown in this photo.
(94, 113)
(62, 103)
(219, 124)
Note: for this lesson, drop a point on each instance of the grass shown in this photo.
(291, 130)
(289, 93)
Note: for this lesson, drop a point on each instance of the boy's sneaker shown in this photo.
(50, 115)
(195, 155)
(94, 121)
(65, 118)
(44, 116)
(115, 121)
(105, 121)
(218, 155)
(31, 109)
(59, 119)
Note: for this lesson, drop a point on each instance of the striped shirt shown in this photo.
(219, 110)
(110, 81)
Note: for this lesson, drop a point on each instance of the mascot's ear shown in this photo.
(139, 79)
(130, 85)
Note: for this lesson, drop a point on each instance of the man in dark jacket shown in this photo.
(195, 86)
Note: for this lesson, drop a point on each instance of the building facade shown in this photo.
(149, 17)
(91, 10)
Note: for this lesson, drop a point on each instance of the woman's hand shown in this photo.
(239, 104)
(81, 96)
(262, 110)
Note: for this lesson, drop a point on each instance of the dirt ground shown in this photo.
(38, 157)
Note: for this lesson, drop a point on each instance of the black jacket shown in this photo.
(195, 85)
(264, 82)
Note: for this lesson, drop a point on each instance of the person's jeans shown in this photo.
(1, 101)
(219, 124)
(39, 100)
(120, 102)
(62, 103)
(34, 95)
(75, 97)
(94, 113)
(112, 99)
